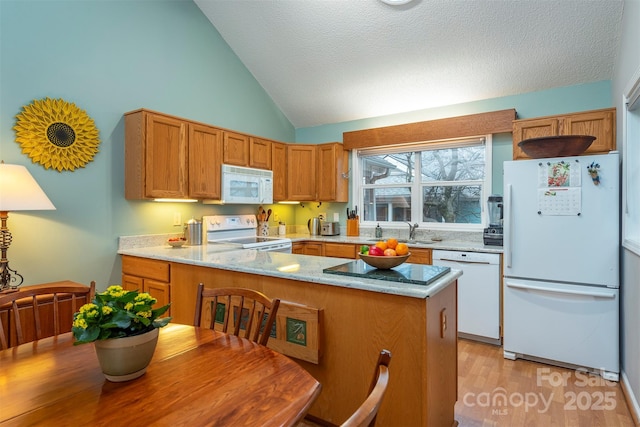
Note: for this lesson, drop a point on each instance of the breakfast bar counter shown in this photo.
(349, 318)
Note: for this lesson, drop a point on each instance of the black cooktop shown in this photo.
(418, 274)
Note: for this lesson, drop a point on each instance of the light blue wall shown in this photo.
(569, 99)
(110, 57)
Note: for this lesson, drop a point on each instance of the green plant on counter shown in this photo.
(117, 313)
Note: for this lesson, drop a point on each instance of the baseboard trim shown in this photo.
(629, 397)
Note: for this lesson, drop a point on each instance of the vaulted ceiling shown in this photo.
(329, 61)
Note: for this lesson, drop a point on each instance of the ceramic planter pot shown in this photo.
(124, 359)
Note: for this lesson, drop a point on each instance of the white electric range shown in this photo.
(241, 230)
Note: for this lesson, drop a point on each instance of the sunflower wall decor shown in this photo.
(56, 134)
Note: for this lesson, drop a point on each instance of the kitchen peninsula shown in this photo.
(359, 317)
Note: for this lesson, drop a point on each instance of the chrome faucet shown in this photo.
(412, 230)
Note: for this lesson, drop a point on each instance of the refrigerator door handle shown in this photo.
(508, 226)
(601, 294)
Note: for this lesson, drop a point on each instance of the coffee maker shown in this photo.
(493, 234)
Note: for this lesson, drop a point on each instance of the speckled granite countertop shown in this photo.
(451, 245)
(304, 268)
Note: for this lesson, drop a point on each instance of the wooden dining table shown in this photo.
(197, 377)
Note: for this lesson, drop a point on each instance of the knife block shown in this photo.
(353, 227)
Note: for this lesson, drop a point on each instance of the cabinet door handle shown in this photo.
(443, 322)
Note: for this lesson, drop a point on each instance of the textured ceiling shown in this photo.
(329, 61)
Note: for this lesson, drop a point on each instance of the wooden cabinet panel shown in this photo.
(313, 248)
(527, 129)
(279, 167)
(297, 248)
(301, 172)
(205, 160)
(260, 153)
(166, 157)
(155, 156)
(420, 256)
(236, 149)
(340, 250)
(598, 123)
(148, 275)
(147, 268)
(442, 356)
(333, 162)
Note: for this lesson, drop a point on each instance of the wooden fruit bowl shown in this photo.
(556, 146)
(384, 262)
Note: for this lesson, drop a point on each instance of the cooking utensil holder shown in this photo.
(263, 228)
(353, 227)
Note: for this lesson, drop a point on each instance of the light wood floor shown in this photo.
(493, 391)
(496, 392)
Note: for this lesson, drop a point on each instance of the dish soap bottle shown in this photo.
(378, 231)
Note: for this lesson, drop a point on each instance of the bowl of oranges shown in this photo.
(385, 254)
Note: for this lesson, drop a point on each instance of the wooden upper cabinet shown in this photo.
(155, 156)
(598, 123)
(236, 149)
(260, 153)
(205, 161)
(301, 172)
(333, 161)
(279, 167)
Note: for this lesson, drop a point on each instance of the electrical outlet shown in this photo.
(276, 217)
(336, 217)
(177, 218)
(322, 216)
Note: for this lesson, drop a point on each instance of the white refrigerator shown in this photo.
(561, 261)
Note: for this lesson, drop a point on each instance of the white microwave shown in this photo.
(246, 185)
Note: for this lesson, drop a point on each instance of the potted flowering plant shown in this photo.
(124, 327)
(117, 313)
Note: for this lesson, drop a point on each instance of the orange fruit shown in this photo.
(389, 252)
(392, 243)
(382, 245)
(402, 249)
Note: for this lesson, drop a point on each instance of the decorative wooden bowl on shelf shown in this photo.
(556, 146)
(384, 262)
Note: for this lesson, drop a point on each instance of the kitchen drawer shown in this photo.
(340, 250)
(147, 268)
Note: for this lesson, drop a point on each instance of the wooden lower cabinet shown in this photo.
(340, 250)
(147, 275)
(420, 333)
(420, 256)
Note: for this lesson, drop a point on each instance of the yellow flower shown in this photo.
(128, 306)
(146, 314)
(56, 134)
(106, 310)
(80, 323)
(88, 307)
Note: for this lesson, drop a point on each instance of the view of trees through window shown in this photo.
(446, 181)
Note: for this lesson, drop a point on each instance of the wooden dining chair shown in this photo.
(40, 311)
(256, 318)
(366, 414)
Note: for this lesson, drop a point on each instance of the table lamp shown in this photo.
(18, 192)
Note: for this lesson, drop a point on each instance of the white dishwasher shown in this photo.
(478, 293)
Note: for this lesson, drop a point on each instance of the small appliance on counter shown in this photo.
(193, 232)
(328, 228)
(492, 235)
(313, 224)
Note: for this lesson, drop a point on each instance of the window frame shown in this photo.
(416, 186)
(630, 206)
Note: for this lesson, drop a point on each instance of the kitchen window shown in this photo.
(440, 184)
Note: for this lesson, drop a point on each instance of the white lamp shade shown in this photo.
(20, 192)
